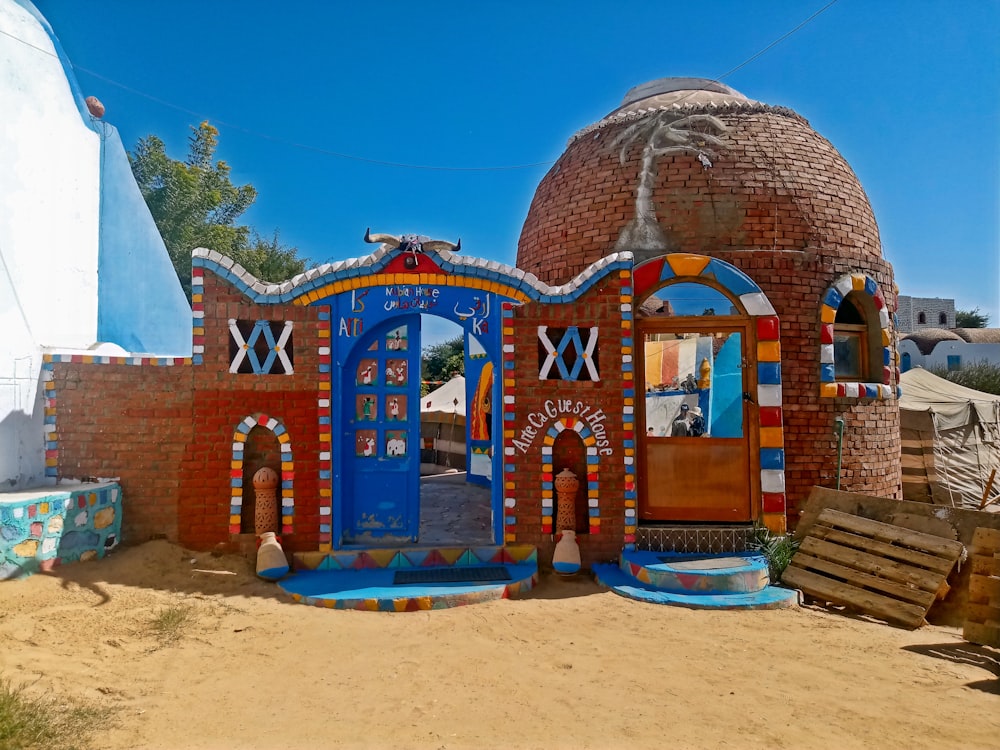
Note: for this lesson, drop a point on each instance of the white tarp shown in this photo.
(951, 441)
(448, 399)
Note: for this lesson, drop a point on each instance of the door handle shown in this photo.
(747, 397)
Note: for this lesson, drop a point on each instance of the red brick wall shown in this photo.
(168, 431)
(601, 307)
(132, 422)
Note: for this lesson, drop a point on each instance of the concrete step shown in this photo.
(695, 581)
(703, 574)
(380, 580)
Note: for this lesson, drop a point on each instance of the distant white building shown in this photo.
(81, 261)
(918, 313)
(949, 349)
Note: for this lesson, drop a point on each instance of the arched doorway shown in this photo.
(703, 317)
(378, 487)
(695, 388)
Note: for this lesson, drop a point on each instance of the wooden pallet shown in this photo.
(982, 624)
(889, 572)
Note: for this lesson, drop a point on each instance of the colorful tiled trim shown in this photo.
(236, 471)
(509, 485)
(688, 267)
(197, 314)
(49, 387)
(459, 270)
(39, 531)
(325, 435)
(628, 409)
(593, 472)
(829, 387)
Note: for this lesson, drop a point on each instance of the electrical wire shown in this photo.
(383, 162)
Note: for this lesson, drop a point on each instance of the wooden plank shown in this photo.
(985, 541)
(872, 564)
(935, 545)
(984, 566)
(863, 580)
(869, 602)
(984, 590)
(985, 635)
(913, 557)
(982, 613)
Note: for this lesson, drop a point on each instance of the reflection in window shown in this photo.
(687, 299)
(694, 384)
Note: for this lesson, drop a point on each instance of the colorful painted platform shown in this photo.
(49, 526)
(411, 579)
(731, 581)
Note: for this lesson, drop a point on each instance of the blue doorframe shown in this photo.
(376, 498)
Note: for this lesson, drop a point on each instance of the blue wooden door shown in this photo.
(380, 447)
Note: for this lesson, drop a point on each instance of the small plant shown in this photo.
(44, 722)
(777, 549)
(168, 626)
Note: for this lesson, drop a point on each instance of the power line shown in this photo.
(383, 162)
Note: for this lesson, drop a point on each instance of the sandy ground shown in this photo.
(570, 666)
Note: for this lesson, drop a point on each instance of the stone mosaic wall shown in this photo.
(40, 530)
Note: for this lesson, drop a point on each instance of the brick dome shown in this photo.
(723, 173)
(692, 166)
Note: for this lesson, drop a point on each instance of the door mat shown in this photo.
(458, 574)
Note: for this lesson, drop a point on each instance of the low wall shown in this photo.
(43, 528)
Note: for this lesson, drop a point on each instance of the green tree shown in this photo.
(195, 204)
(971, 318)
(980, 376)
(441, 362)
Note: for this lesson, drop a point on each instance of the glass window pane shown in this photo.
(686, 298)
(694, 384)
(847, 355)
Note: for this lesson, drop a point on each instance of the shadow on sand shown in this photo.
(966, 653)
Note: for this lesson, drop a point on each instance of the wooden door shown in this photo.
(694, 421)
(381, 435)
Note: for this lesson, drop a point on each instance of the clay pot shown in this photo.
(566, 556)
(272, 565)
(94, 106)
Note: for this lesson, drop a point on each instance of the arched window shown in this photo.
(922, 318)
(852, 351)
(943, 318)
(856, 352)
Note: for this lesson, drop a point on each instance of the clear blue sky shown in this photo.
(908, 91)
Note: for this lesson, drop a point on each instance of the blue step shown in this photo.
(623, 584)
(736, 573)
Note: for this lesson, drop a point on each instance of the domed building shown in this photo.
(750, 230)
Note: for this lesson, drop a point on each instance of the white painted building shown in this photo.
(81, 261)
(952, 349)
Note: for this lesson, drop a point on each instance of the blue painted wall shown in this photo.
(141, 306)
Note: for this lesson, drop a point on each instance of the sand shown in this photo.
(570, 666)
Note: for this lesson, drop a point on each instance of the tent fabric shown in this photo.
(950, 441)
(448, 399)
